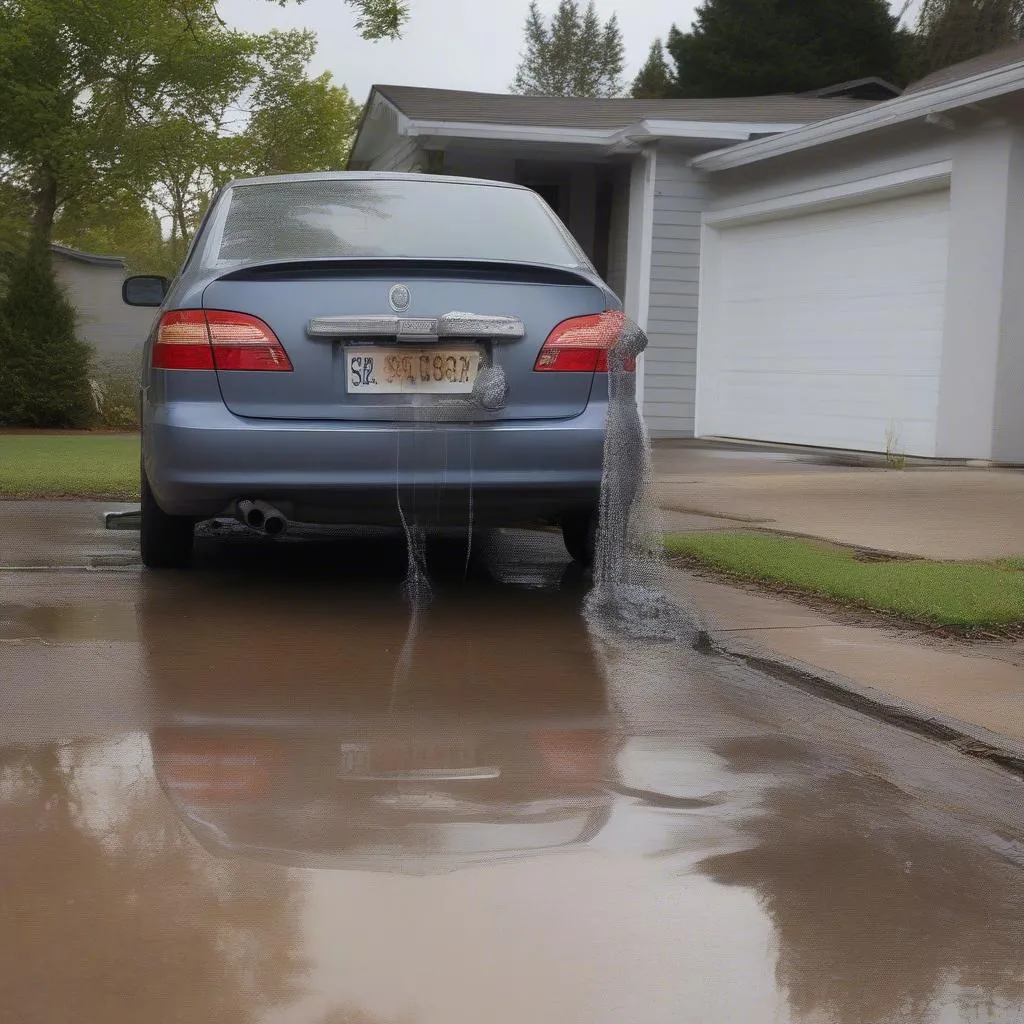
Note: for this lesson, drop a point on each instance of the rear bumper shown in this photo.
(200, 459)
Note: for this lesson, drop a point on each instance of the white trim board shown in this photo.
(510, 132)
(639, 247)
(927, 177)
(660, 128)
(639, 132)
(887, 114)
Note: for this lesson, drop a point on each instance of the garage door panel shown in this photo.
(833, 419)
(826, 329)
(882, 269)
(871, 321)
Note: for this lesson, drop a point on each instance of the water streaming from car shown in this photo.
(627, 591)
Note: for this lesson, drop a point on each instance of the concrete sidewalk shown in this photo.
(959, 514)
(975, 691)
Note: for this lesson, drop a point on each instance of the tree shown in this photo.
(85, 85)
(83, 79)
(378, 19)
(43, 366)
(118, 224)
(655, 80)
(297, 123)
(950, 31)
(760, 47)
(573, 56)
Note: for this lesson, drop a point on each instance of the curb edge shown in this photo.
(969, 739)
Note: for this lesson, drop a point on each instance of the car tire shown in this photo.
(165, 541)
(579, 531)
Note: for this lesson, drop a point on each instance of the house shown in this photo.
(842, 269)
(93, 284)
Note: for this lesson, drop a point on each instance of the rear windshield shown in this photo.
(387, 218)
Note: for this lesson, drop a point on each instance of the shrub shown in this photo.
(115, 391)
(44, 368)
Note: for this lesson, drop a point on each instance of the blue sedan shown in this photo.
(374, 348)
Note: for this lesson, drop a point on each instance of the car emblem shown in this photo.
(399, 297)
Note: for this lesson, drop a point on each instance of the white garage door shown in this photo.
(826, 329)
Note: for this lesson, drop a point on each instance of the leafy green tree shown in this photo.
(118, 110)
(950, 31)
(43, 366)
(85, 87)
(80, 80)
(760, 47)
(574, 55)
(377, 19)
(266, 117)
(655, 79)
(118, 224)
(298, 123)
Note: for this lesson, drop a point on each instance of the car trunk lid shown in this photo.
(355, 330)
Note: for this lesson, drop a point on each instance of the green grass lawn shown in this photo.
(69, 465)
(961, 594)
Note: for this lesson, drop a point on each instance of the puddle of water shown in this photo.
(96, 620)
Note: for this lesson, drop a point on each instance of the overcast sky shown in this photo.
(448, 44)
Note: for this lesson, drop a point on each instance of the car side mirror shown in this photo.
(144, 290)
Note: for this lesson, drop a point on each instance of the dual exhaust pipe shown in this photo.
(261, 517)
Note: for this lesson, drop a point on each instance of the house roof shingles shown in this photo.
(560, 112)
(1004, 56)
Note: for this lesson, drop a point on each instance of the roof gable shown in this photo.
(933, 99)
(871, 88)
(1004, 56)
(571, 112)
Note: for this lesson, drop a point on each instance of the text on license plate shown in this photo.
(387, 371)
(382, 759)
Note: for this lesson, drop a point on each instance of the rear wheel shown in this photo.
(165, 541)
(579, 531)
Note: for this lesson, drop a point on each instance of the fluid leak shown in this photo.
(628, 548)
(489, 393)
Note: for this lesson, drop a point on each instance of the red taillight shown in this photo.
(243, 342)
(209, 769)
(578, 756)
(582, 344)
(183, 342)
(196, 339)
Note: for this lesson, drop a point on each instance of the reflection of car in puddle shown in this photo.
(488, 739)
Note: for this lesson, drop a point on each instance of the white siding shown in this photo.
(670, 382)
(842, 164)
(116, 332)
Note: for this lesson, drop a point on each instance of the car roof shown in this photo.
(273, 179)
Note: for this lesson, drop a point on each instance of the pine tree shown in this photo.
(655, 80)
(44, 368)
(759, 47)
(950, 31)
(573, 56)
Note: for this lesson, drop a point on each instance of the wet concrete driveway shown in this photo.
(265, 791)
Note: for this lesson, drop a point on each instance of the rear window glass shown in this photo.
(387, 218)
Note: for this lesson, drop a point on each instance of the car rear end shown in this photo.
(384, 800)
(339, 345)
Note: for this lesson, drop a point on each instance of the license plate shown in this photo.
(378, 370)
(426, 758)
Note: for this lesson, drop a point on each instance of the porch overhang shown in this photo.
(385, 128)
